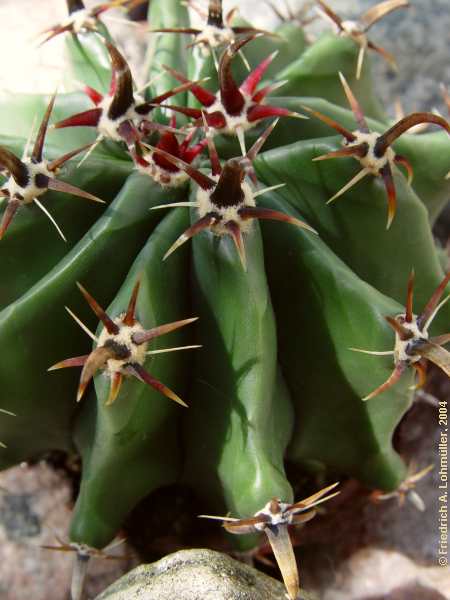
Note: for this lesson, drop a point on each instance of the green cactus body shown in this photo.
(323, 309)
(113, 241)
(167, 49)
(314, 74)
(357, 220)
(18, 113)
(275, 378)
(134, 443)
(33, 231)
(288, 42)
(240, 415)
(89, 59)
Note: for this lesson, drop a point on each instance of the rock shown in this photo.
(366, 551)
(421, 31)
(374, 574)
(195, 575)
(33, 506)
(36, 506)
(411, 592)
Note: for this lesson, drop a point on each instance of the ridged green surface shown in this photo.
(135, 441)
(239, 423)
(323, 309)
(354, 226)
(275, 378)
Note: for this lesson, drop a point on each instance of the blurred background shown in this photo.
(419, 38)
(387, 554)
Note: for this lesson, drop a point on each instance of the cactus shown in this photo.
(217, 211)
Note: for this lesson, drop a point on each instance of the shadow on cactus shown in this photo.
(273, 376)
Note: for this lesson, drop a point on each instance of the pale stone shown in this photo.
(195, 575)
(35, 507)
(374, 574)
